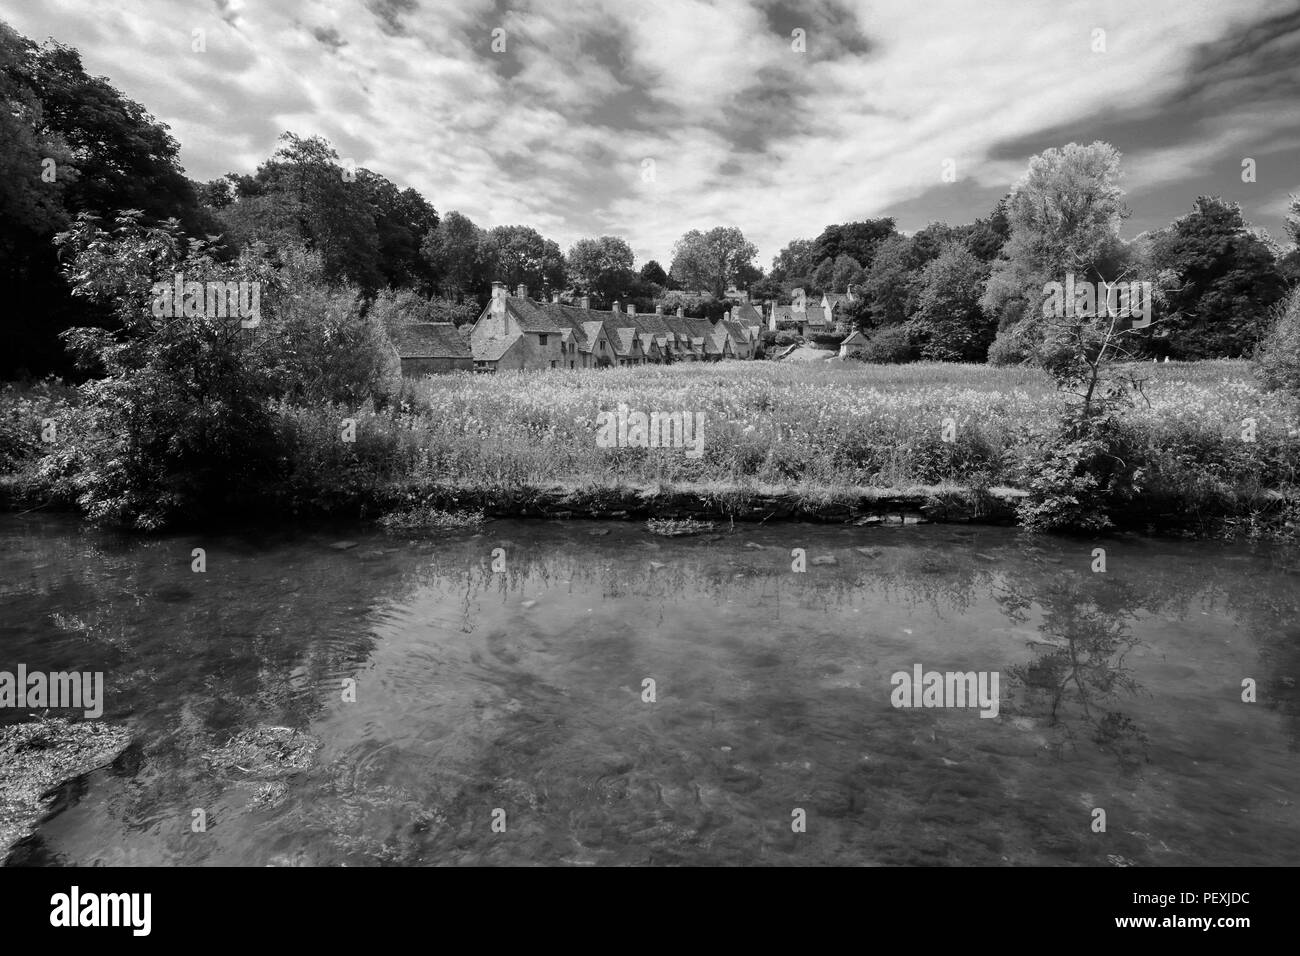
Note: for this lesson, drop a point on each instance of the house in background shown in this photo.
(516, 332)
(426, 348)
(801, 317)
(854, 345)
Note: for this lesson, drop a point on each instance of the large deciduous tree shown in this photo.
(1064, 216)
(520, 255)
(1225, 282)
(601, 267)
(711, 261)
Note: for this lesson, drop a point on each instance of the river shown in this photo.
(466, 715)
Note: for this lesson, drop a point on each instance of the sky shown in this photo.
(648, 119)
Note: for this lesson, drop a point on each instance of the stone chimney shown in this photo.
(631, 309)
(522, 291)
(498, 289)
(659, 309)
(555, 298)
(726, 316)
(616, 309)
(680, 312)
(586, 302)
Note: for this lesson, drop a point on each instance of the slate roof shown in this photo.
(431, 340)
(745, 314)
(583, 326)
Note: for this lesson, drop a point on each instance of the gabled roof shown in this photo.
(591, 331)
(735, 331)
(431, 340)
(854, 336)
(745, 313)
(816, 315)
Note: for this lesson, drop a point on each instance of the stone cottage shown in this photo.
(426, 348)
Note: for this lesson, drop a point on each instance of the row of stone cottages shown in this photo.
(516, 332)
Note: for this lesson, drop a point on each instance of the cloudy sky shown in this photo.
(646, 119)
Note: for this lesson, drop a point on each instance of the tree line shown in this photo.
(72, 145)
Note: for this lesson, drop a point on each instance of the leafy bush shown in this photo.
(890, 345)
(1277, 362)
(178, 423)
(1008, 349)
(1080, 477)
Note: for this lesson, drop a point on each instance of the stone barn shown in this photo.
(427, 348)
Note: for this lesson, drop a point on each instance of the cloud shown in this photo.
(740, 126)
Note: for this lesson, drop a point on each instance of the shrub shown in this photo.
(1277, 361)
(1080, 477)
(178, 423)
(890, 345)
(1008, 349)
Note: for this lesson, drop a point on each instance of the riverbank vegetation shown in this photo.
(1206, 442)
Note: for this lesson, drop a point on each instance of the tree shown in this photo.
(520, 255)
(601, 267)
(70, 143)
(986, 237)
(652, 271)
(1064, 216)
(177, 421)
(889, 291)
(713, 260)
(402, 219)
(949, 324)
(1226, 282)
(303, 197)
(455, 250)
(858, 240)
(794, 265)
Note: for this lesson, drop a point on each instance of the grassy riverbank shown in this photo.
(815, 435)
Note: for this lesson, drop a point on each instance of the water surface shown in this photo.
(522, 691)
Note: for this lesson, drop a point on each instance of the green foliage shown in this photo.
(601, 267)
(177, 424)
(1277, 362)
(320, 346)
(1225, 282)
(711, 261)
(949, 324)
(1079, 478)
(891, 345)
(1008, 349)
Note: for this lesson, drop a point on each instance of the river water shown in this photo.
(466, 715)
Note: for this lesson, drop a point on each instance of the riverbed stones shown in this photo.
(39, 756)
(267, 753)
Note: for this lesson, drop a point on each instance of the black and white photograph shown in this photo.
(701, 433)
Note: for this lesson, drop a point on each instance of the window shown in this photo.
(553, 364)
(541, 339)
(602, 345)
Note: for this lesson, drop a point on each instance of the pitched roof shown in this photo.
(816, 315)
(745, 313)
(735, 331)
(854, 336)
(431, 340)
(584, 326)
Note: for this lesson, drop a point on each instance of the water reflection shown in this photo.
(522, 690)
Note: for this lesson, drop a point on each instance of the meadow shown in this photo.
(816, 432)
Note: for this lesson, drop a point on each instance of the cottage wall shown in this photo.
(413, 367)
